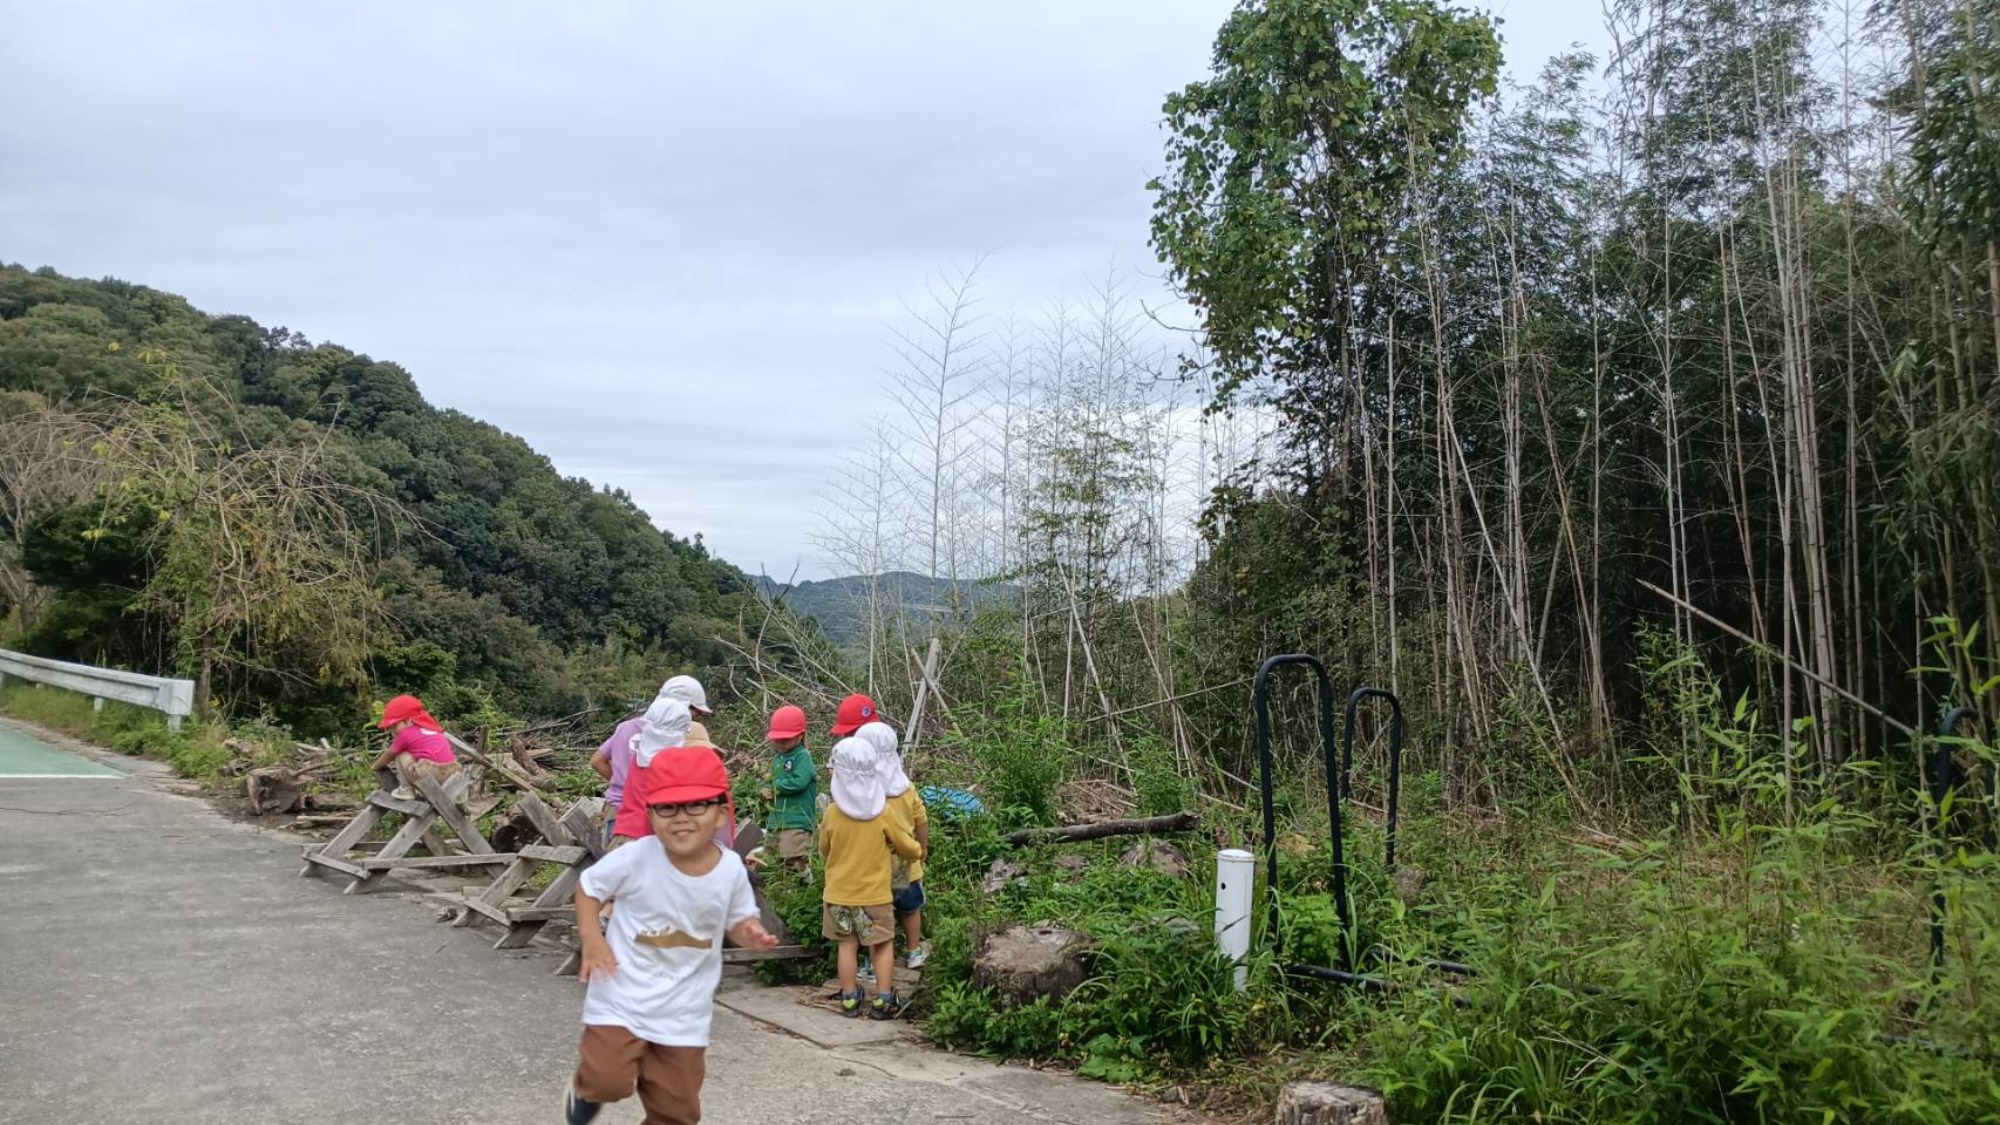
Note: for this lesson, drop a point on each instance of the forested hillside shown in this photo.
(458, 561)
(844, 607)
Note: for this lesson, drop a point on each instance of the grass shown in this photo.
(1762, 960)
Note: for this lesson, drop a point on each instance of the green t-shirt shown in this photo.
(795, 781)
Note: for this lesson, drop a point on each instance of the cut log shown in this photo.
(511, 829)
(1144, 826)
(274, 789)
(526, 758)
(1330, 1103)
(1021, 963)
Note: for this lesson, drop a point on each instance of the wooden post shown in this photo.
(1330, 1103)
(925, 687)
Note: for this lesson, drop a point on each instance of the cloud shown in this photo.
(661, 242)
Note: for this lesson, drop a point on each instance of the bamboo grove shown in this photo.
(1522, 401)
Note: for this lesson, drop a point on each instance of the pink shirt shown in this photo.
(618, 751)
(423, 745)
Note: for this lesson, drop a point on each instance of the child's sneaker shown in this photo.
(919, 955)
(850, 1004)
(887, 1006)
(404, 793)
(576, 1111)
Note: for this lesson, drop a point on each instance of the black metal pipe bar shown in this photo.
(1395, 761)
(1260, 693)
(1942, 775)
(1340, 976)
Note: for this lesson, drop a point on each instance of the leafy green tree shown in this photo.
(1289, 170)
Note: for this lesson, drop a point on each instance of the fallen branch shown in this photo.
(1144, 826)
(321, 821)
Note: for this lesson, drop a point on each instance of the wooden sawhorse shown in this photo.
(439, 802)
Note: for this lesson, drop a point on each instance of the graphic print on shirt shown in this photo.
(664, 986)
(672, 939)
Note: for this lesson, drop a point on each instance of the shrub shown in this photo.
(1022, 756)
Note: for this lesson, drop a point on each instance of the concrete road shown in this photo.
(161, 963)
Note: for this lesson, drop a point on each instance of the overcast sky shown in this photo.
(662, 241)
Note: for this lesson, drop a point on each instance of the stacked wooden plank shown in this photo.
(435, 804)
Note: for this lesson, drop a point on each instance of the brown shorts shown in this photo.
(409, 768)
(794, 843)
(869, 925)
(613, 1063)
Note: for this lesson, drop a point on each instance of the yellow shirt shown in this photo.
(858, 855)
(910, 812)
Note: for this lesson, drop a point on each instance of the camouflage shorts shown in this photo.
(869, 925)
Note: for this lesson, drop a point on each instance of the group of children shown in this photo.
(653, 962)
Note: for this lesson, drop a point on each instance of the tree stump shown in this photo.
(1330, 1103)
(274, 789)
(1021, 963)
(1410, 883)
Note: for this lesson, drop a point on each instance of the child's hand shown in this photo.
(753, 935)
(598, 964)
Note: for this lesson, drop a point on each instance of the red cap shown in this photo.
(683, 773)
(856, 711)
(787, 722)
(400, 708)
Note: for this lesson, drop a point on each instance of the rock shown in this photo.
(1003, 872)
(1158, 855)
(1020, 963)
(1330, 1103)
(1410, 882)
(1075, 864)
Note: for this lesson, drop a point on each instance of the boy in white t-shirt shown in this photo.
(653, 976)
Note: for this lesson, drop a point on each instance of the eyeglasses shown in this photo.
(692, 808)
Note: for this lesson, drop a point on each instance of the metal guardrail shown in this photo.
(175, 698)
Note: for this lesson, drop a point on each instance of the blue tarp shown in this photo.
(953, 802)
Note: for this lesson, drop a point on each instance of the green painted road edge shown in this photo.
(24, 758)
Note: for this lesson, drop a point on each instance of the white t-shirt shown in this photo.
(667, 936)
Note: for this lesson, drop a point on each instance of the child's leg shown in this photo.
(607, 1068)
(883, 955)
(913, 929)
(670, 1084)
(850, 963)
(404, 767)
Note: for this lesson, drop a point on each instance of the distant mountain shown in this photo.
(841, 604)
